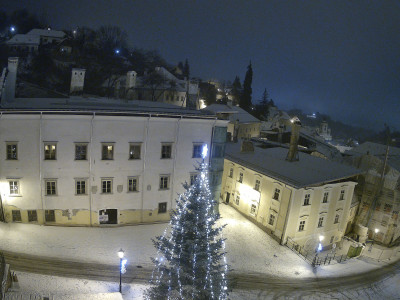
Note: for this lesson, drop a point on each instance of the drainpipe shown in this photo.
(2, 215)
(144, 167)
(90, 170)
(40, 166)
(175, 154)
(283, 238)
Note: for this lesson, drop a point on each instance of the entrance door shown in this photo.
(108, 216)
(228, 195)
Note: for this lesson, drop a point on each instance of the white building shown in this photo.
(31, 41)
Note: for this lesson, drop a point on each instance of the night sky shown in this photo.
(334, 57)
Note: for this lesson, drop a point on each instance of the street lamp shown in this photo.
(121, 257)
(319, 248)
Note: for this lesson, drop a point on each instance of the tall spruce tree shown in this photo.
(191, 263)
(236, 90)
(245, 100)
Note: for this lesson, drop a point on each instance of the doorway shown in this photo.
(108, 216)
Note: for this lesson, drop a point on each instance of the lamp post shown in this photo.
(121, 257)
(319, 248)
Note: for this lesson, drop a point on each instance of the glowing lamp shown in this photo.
(121, 253)
(376, 230)
(116, 51)
(204, 151)
(12, 29)
(321, 238)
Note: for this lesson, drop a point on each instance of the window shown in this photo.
(107, 151)
(325, 198)
(50, 151)
(197, 150)
(301, 226)
(271, 219)
(231, 173)
(218, 151)
(106, 186)
(193, 178)
(14, 187)
(336, 219)
(257, 185)
(307, 199)
(80, 151)
(166, 151)
(49, 215)
(132, 184)
(134, 151)
(162, 207)
(276, 194)
(253, 209)
(12, 151)
(16, 216)
(387, 208)
(80, 187)
(51, 187)
(32, 216)
(341, 195)
(164, 182)
(237, 200)
(320, 221)
(240, 177)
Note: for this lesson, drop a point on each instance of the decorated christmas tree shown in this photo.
(190, 262)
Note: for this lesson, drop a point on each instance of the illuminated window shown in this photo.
(336, 219)
(237, 200)
(162, 207)
(50, 151)
(12, 151)
(271, 219)
(193, 178)
(134, 151)
(240, 177)
(301, 226)
(276, 194)
(133, 184)
(321, 222)
(107, 151)
(16, 215)
(341, 195)
(231, 173)
(307, 199)
(51, 187)
(164, 182)
(257, 185)
(197, 150)
(106, 185)
(325, 198)
(80, 187)
(14, 187)
(80, 151)
(166, 151)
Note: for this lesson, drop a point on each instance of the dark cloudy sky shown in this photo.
(335, 57)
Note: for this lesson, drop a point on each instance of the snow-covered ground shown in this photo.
(249, 250)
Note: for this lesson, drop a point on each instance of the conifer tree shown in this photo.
(245, 101)
(190, 263)
(236, 90)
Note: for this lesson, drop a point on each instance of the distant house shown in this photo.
(48, 36)
(379, 200)
(297, 200)
(324, 131)
(241, 123)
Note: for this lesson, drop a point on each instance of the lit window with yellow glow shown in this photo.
(50, 151)
(107, 152)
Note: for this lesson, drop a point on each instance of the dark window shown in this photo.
(237, 200)
(341, 195)
(81, 187)
(257, 185)
(164, 182)
(162, 207)
(307, 199)
(271, 219)
(32, 215)
(325, 199)
(336, 219)
(107, 152)
(12, 152)
(51, 187)
(193, 178)
(218, 151)
(253, 209)
(49, 215)
(134, 151)
(106, 186)
(132, 184)
(16, 216)
(80, 152)
(197, 149)
(301, 226)
(166, 151)
(320, 221)
(240, 177)
(276, 194)
(231, 173)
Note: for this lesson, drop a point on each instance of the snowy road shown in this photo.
(364, 285)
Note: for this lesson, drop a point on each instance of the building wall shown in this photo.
(289, 209)
(244, 130)
(31, 131)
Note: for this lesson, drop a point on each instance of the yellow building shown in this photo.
(301, 200)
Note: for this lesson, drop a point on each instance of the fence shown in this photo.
(313, 257)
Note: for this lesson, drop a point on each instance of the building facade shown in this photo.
(300, 200)
(90, 168)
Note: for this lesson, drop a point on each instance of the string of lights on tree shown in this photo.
(191, 258)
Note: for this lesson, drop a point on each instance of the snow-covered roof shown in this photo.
(101, 105)
(24, 39)
(235, 113)
(307, 171)
(50, 33)
(373, 149)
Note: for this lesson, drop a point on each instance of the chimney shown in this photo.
(130, 80)
(293, 155)
(246, 146)
(11, 79)
(77, 81)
